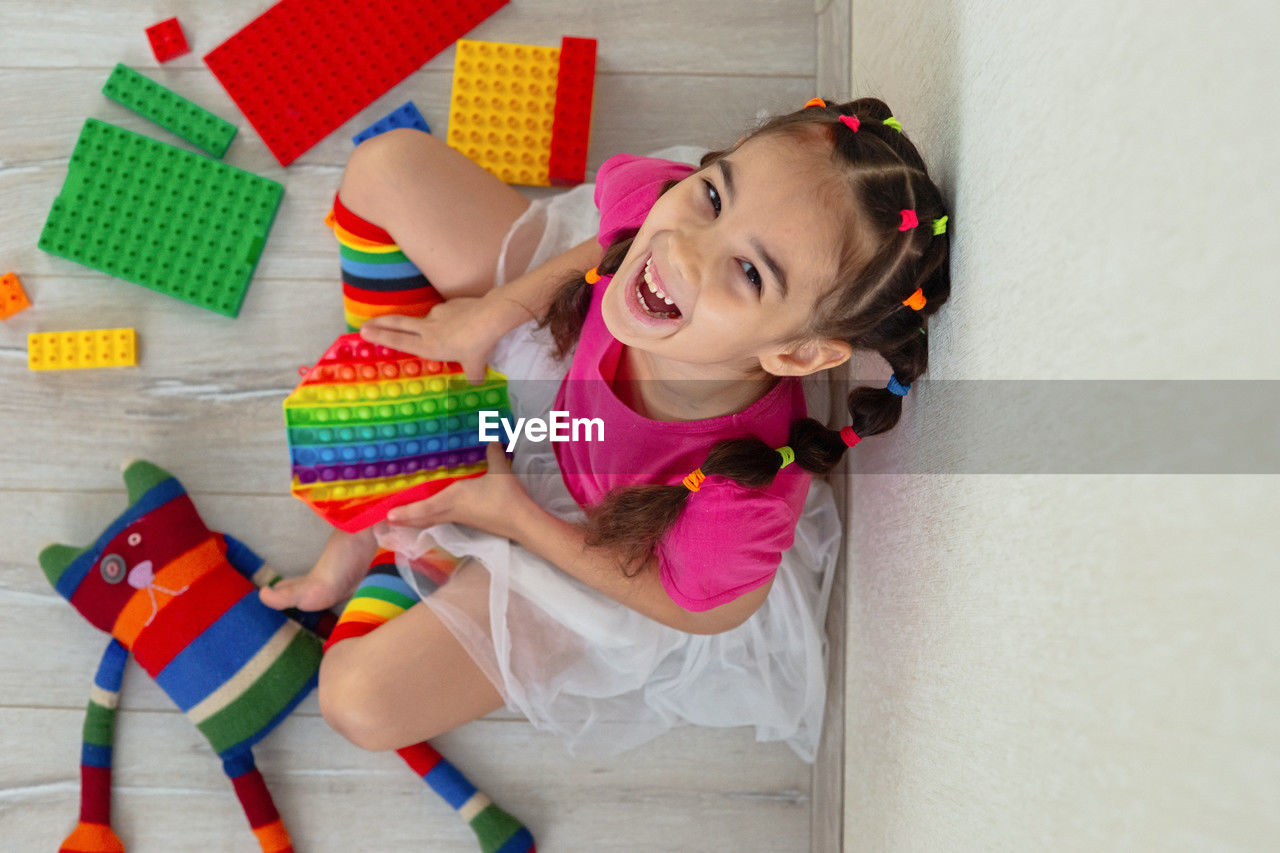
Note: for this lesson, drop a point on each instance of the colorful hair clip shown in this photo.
(894, 123)
(909, 220)
(592, 275)
(814, 102)
(897, 387)
(848, 436)
(940, 226)
(788, 455)
(915, 300)
(693, 480)
(851, 122)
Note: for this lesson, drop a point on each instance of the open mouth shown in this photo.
(653, 299)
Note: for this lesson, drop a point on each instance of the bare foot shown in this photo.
(335, 576)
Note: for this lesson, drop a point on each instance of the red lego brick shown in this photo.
(303, 67)
(167, 40)
(12, 297)
(571, 129)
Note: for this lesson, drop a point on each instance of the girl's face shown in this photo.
(741, 249)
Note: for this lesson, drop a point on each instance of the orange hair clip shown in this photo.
(915, 300)
(693, 481)
(814, 102)
(592, 275)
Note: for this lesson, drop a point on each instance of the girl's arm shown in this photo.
(466, 329)
(530, 294)
(497, 503)
(564, 544)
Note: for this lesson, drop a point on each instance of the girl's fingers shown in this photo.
(400, 322)
(420, 512)
(403, 341)
(496, 458)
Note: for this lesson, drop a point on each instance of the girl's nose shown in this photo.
(686, 251)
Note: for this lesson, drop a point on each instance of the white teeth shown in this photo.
(653, 288)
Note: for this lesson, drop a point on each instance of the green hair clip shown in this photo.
(894, 123)
(940, 226)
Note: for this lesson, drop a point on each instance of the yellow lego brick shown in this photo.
(86, 348)
(503, 106)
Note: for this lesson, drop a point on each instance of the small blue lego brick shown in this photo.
(405, 116)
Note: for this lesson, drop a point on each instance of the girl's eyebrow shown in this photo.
(726, 173)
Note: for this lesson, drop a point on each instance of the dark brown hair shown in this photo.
(880, 267)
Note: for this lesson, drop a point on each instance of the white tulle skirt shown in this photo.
(596, 673)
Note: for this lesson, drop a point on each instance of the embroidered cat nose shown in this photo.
(141, 575)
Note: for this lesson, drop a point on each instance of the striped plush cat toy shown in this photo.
(184, 601)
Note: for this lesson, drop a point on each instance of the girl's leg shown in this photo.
(415, 221)
(447, 215)
(407, 680)
(381, 685)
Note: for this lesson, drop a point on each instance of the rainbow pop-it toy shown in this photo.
(371, 428)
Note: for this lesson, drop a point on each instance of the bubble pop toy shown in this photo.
(371, 428)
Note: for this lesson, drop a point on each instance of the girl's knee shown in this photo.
(379, 164)
(349, 701)
(387, 156)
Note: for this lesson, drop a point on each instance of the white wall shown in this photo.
(1063, 661)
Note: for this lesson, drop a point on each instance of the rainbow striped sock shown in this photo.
(377, 278)
(382, 596)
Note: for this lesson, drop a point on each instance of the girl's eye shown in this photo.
(753, 274)
(713, 196)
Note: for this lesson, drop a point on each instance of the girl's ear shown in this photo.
(809, 357)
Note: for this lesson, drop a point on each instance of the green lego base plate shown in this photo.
(170, 110)
(162, 217)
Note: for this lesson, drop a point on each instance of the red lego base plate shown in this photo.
(303, 67)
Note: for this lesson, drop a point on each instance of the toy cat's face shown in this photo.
(130, 556)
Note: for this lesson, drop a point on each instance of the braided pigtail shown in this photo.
(631, 520)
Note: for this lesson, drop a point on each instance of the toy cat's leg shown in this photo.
(256, 801)
(93, 834)
(382, 596)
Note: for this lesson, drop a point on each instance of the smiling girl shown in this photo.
(675, 569)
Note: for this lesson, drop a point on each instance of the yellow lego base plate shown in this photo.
(503, 107)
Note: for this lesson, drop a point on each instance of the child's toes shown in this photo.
(284, 594)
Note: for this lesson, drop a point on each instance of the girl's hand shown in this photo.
(488, 502)
(462, 329)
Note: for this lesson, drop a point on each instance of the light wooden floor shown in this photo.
(205, 402)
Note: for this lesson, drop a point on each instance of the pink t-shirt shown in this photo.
(729, 538)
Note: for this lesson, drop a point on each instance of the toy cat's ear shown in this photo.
(140, 476)
(54, 560)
